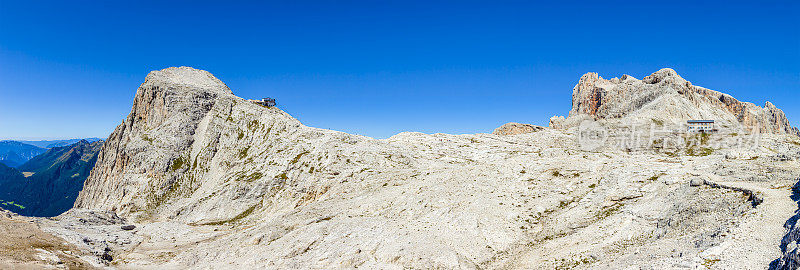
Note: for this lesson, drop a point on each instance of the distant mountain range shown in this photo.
(58, 143)
(15, 153)
(48, 184)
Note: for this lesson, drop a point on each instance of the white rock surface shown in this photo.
(213, 181)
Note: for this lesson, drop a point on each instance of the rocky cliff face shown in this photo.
(143, 153)
(251, 187)
(666, 97)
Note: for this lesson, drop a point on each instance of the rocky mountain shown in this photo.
(251, 187)
(14, 153)
(48, 184)
(516, 128)
(665, 97)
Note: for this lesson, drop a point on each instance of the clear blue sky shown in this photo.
(377, 68)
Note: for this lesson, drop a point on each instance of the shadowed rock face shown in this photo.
(664, 95)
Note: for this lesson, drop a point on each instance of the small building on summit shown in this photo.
(266, 102)
(701, 126)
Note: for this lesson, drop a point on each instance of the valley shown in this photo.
(48, 184)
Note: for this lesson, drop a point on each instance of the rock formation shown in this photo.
(516, 128)
(210, 180)
(665, 96)
(146, 153)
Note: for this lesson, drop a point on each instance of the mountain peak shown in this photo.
(666, 97)
(664, 74)
(176, 96)
(187, 76)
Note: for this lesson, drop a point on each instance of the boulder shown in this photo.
(695, 182)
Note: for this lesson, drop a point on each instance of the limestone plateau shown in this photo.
(212, 181)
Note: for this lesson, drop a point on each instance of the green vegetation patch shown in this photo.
(251, 177)
(564, 264)
(146, 138)
(297, 158)
(658, 142)
(177, 163)
(695, 145)
(704, 137)
(607, 211)
(236, 218)
(243, 152)
(671, 154)
(701, 152)
(194, 164)
(557, 173)
(252, 125)
(709, 262)
(655, 177)
(12, 203)
(658, 122)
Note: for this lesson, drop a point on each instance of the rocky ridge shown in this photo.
(516, 128)
(211, 180)
(665, 96)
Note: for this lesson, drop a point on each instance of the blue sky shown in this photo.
(70, 69)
